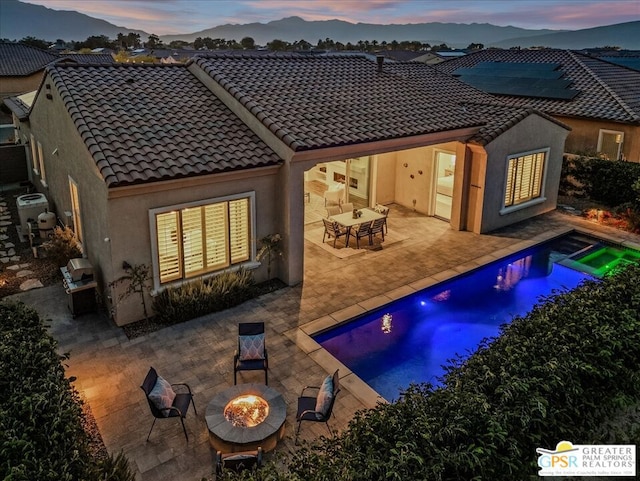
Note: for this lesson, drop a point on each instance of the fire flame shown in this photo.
(246, 411)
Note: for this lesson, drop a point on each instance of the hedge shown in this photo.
(565, 371)
(41, 416)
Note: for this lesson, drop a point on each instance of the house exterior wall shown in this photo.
(583, 138)
(10, 86)
(385, 177)
(531, 134)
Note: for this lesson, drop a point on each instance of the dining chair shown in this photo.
(335, 230)
(363, 230)
(347, 207)
(377, 227)
(333, 210)
(384, 211)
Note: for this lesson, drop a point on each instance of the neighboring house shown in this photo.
(599, 100)
(22, 66)
(185, 167)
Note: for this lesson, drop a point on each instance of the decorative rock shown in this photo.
(4, 222)
(24, 273)
(15, 259)
(11, 252)
(5, 217)
(9, 244)
(23, 266)
(14, 267)
(4, 260)
(4, 237)
(30, 284)
(3, 253)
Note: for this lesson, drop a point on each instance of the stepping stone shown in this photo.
(30, 284)
(24, 266)
(14, 267)
(24, 273)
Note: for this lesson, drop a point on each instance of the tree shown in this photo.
(35, 42)
(248, 43)
(278, 45)
(475, 46)
(154, 41)
(178, 44)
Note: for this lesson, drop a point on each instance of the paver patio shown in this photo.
(110, 368)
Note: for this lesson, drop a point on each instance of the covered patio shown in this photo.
(109, 367)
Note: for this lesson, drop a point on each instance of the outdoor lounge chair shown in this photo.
(318, 408)
(238, 461)
(164, 402)
(251, 354)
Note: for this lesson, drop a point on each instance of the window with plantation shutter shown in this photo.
(199, 239)
(169, 263)
(239, 230)
(524, 178)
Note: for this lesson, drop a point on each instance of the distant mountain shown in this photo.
(623, 35)
(295, 28)
(19, 20)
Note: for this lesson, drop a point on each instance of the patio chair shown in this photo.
(333, 210)
(164, 402)
(238, 461)
(251, 354)
(318, 408)
(377, 227)
(334, 195)
(363, 230)
(333, 229)
(346, 207)
(384, 211)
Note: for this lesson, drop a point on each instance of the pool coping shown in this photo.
(302, 335)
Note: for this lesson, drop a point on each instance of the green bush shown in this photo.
(200, 297)
(606, 181)
(565, 371)
(41, 417)
(62, 246)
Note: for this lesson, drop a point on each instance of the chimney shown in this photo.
(380, 60)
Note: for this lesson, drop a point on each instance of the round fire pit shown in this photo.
(246, 416)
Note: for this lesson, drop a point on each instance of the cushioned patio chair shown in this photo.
(164, 401)
(346, 207)
(318, 408)
(251, 354)
(333, 210)
(238, 461)
(335, 230)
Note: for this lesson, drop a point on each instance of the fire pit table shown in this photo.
(246, 416)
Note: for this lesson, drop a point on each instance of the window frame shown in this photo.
(601, 133)
(250, 262)
(506, 209)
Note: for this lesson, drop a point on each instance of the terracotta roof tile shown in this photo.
(329, 101)
(607, 91)
(124, 112)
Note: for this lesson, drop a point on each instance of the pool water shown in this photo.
(408, 341)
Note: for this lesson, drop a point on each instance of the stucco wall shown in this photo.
(10, 86)
(583, 138)
(532, 133)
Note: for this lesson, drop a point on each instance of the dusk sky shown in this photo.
(168, 17)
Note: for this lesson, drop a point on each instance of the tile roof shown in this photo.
(148, 123)
(607, 91)
(90, 58)
(312, 102)
(18, 60)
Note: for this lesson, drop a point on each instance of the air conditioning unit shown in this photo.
(30, 206)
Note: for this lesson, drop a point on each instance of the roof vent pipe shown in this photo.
(380, 60)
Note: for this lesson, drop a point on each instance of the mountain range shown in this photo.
(19, 20)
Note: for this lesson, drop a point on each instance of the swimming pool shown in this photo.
(408, 341)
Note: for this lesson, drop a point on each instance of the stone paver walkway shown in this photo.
(109, 367)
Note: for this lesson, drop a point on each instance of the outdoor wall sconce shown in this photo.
(412, 176)
(420, 172)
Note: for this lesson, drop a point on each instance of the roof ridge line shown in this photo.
(608, 89)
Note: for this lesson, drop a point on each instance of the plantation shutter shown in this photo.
(511, 174)
(524, 178)
(168, 247)
(239, 230)
(192, 243)
(536, 186)
(216, 227)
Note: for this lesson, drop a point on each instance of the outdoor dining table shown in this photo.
(347, 220)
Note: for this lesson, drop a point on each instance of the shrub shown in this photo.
(41, 417)
(200, 297)
(62, 246)
(564, 371)
(606, 181)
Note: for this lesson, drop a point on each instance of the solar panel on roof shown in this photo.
(630, 62)
(523, 79)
